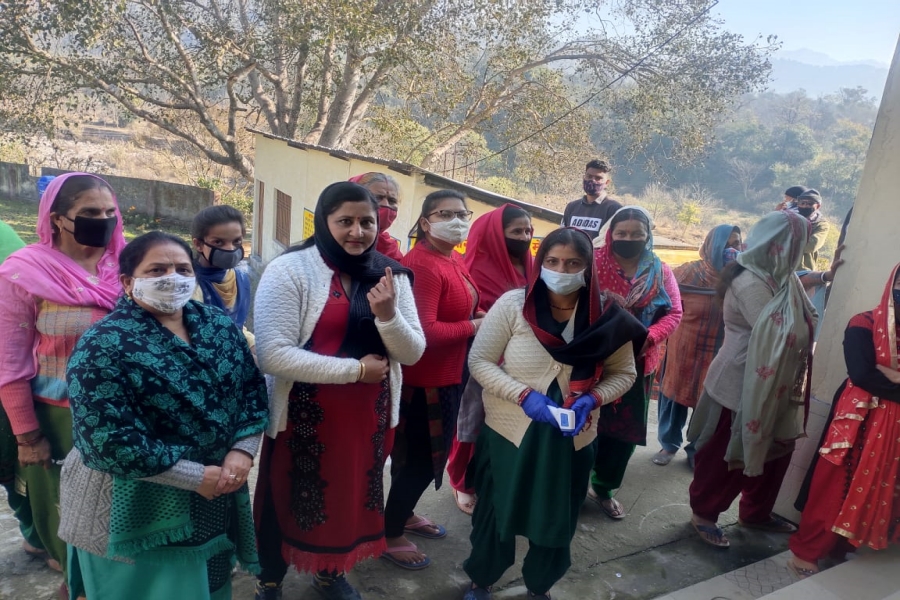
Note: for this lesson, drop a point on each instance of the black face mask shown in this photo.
(896, 303)
(224, 259)
(806, 211)
(517, 248)
(628, 248)
(95, 233)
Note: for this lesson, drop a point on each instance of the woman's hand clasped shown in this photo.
(207, 487)
(36, 453)
(375, 368)
(235, 469)
(382, 299)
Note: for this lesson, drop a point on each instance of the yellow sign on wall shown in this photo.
(309, 226)
(535, 244)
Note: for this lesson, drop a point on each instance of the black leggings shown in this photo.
(410, 480)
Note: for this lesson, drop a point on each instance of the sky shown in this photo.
(846, 30)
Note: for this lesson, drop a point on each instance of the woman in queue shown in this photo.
(447, 302)
(218, 234)
(168, 410)
(691, 348)
(627, 267)
(559, 344)
(498, 256)
(752, 407)
(855, 475)
(335, 320)
(386, 192)
(52, 292)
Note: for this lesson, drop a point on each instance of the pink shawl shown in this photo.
(45, 272)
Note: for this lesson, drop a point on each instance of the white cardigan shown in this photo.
(526, 364)
(290, 299)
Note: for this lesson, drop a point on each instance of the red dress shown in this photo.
(325, 471)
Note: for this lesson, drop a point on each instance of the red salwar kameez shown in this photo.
(322, 475)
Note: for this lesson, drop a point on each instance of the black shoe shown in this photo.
(267, 591)
(335, 588)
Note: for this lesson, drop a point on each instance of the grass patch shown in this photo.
(22, 217)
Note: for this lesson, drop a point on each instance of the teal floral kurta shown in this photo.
(142, 399)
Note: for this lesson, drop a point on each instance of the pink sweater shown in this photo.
(38, 338)
(662, 329)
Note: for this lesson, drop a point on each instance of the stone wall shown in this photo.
(154, 199)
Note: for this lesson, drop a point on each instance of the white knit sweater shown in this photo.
(290, 299)
(526, 364)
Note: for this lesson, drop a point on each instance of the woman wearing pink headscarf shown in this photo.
(51, 293)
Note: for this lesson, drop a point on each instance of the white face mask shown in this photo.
(167, 294)
(562, 283)
(452, 232)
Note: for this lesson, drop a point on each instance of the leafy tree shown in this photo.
(203, 69)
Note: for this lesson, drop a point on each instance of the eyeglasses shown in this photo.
(449, 215)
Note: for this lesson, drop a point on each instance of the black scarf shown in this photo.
(365, 271)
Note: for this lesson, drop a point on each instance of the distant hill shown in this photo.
(820, 74)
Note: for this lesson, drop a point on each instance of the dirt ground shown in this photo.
(650, 553)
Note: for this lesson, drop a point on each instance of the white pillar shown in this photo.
(873, 248)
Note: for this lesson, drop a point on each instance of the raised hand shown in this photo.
(382, 299)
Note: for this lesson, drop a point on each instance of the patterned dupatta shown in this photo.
(774, 397)
(864, 422)
(644, 294)
(600, 328)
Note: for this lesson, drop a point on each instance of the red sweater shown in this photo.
(443, 291)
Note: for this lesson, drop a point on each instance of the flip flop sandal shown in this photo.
(703, 531)
(418, 528)
(662, 458)
(388, 555)
(468, 507)
(774, 525)
(799, 571)
(617, 512)
(475, 593)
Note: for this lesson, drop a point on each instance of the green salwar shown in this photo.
(535, 491)
(623, 427)
(41, 486)
(9, 459)
(106, 579)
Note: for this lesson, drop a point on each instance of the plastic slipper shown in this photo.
(662, 458)
(418, 528)
(712, 535)
(616, 511)
(799, 571)
(773, 525)
(468, 507)
(415, 566)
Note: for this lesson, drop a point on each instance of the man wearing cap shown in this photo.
(808, 204)
(790, 197)
(592, 210)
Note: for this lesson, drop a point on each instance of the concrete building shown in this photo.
(291, 174)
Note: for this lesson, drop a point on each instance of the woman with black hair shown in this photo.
(167, 411)
(628, 268)
(334, 321)
(447, 303)
(558, 344)
(217, 234)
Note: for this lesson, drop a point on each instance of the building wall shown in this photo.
(303, 174)
(872, 251)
